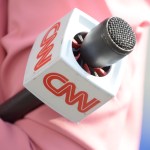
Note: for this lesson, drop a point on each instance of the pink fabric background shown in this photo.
(114, 126)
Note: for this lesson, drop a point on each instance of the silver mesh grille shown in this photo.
(121, 33)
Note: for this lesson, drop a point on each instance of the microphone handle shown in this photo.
(18, 106)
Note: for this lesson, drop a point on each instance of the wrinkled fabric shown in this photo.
(116, 125)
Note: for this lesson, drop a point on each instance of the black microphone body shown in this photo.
(18, 106)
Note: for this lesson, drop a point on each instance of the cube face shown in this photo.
(54, 76)
(63, 90)
(46, 49)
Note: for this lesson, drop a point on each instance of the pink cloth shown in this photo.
(114, 126)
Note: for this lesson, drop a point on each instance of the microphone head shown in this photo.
(108, 42)
(121, 33)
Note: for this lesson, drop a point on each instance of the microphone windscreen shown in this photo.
(121, 33)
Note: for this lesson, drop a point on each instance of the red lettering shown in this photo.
(46, 45)
(68, 88)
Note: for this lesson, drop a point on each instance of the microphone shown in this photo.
(76, 65)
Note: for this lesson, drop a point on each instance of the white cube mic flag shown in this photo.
(76, 65)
